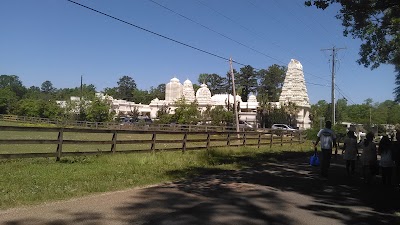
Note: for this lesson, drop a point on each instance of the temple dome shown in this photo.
(188, 91)
(203, 95)
(295, 64)
(252, 98)
(173, 90)
(174, 80)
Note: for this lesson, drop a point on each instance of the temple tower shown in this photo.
(173, 90)
(294, 90)
(294, 87)
(188, 91)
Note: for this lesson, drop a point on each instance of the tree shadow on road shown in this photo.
(271, 188)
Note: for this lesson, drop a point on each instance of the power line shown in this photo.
(152, 32)
(219, 33)
(343, 94)
(243, 27)
(171, 39)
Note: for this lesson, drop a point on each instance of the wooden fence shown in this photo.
(115, 125)
(155, 141)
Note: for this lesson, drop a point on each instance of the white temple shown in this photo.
(294, 90)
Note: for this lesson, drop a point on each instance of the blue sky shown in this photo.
(59, 41)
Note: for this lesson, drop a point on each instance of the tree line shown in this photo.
(266, 84)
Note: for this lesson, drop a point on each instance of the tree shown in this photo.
(291, 110)
(111, 92)
(341, 110)
(321, 109)
(247, 81)
(14, 83)
(88, 92)
(33, 92)
(98, 111)
(47, 87)
(377, 24)
(126, 86)
(186, 113)
(214, 82)
(219, 115)
(29, 107)
(271, 82)
(396, 90)
(158, 92)
(7, 100)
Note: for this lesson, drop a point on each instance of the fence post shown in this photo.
(184, 142)
(272, 138)
(153, 142)
(299, 137)
(114, 142)
(59, 145)
(228, 141)
(282, 138)
(259, 140)
(291, 138)
(208, 141)
(244, 139)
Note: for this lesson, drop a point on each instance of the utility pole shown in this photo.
(81, 87)
(234, 97)
(334, 50)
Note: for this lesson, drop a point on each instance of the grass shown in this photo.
(34, 181)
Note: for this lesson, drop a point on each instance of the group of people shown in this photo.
(389, 151)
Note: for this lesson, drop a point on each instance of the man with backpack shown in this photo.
(328, 140)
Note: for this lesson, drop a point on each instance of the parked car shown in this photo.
(244, 125)
(282, 127)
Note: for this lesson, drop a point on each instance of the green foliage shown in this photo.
(47, 87)
(246, 81)
(376, 23)
(14, 84)
(126, 86)
(214, 82)
(166, 119)
(38, 108)
(7, 100)
(312, 133)
(219, 115)
(98, 111)
(271, 82)
(186, 113)
(88, 92)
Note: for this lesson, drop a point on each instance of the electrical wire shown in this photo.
(214, 31)
(171, 39)
(152, 32)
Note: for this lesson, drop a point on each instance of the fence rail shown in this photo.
(116, 125)
(160, 140)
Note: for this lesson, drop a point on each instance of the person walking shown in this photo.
(386, 163)
(328, 140)
(350, 151)
(369, 158)
(396, 157)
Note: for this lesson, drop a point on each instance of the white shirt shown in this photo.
(326, 137)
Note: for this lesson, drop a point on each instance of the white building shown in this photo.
(294, 90)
